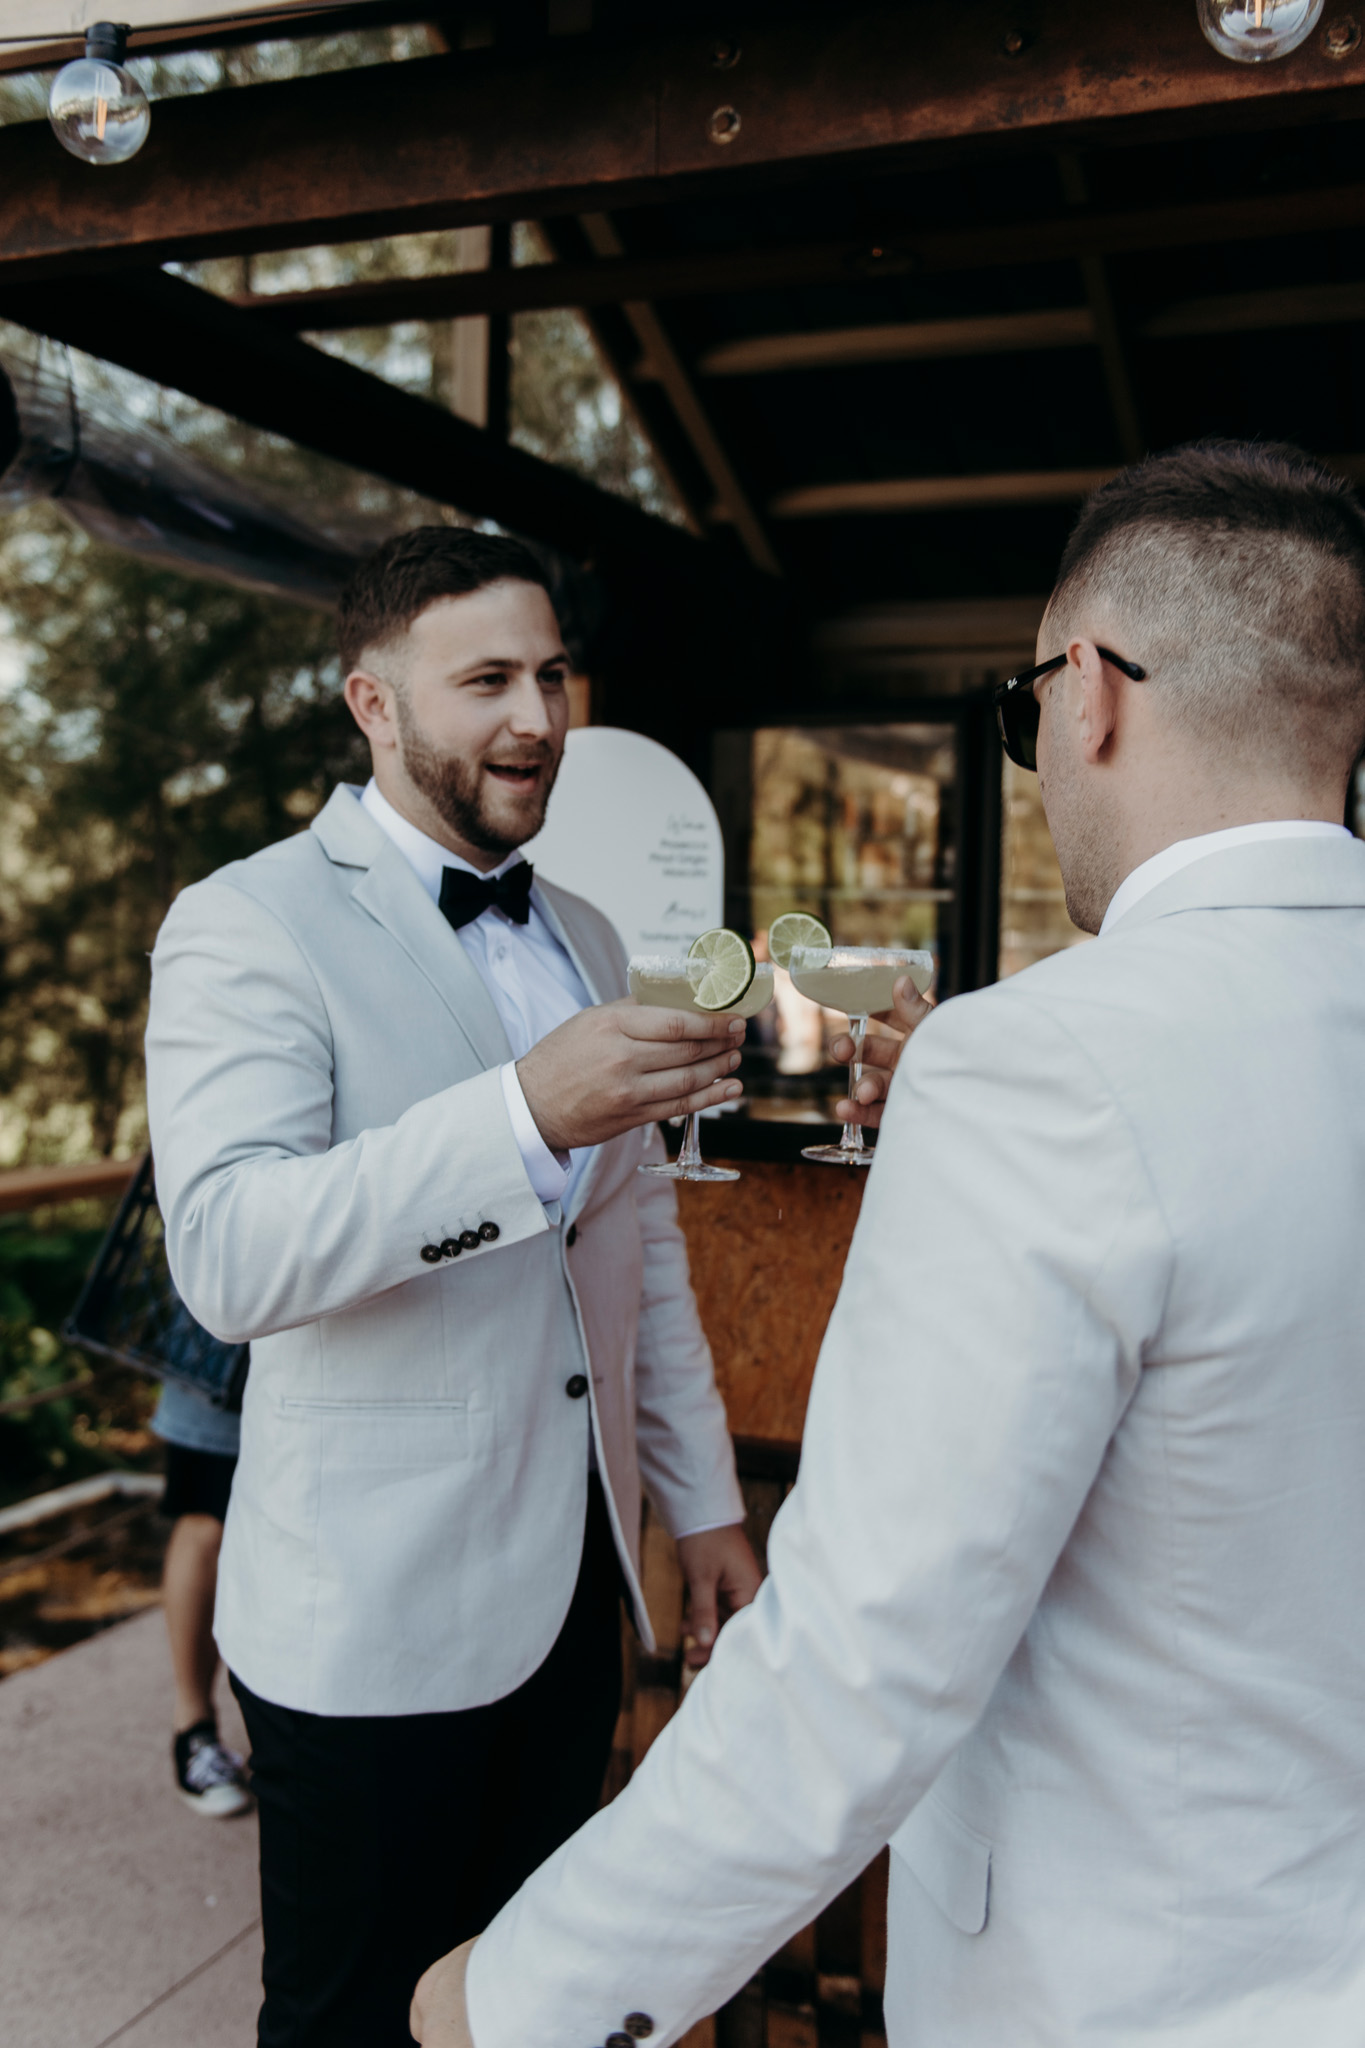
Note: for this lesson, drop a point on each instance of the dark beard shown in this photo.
(454, 790)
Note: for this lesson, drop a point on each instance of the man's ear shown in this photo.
(370, 701)
(1097, 709)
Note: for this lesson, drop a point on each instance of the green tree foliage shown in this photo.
(41, 1269)
(566, 410)
(157, 728)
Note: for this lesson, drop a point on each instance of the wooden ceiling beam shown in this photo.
(660, 361)
(476, 136)
(615, 280)
(906, 341)
(938, 493)
(189, 340)
(1300, 305)
(618, 347)
(966, 493)
(844, 348)
(1109, 338)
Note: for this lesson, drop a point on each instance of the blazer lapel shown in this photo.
(388, 891)
(601, 976)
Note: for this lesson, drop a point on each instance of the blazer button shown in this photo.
(450, 1248)
(576, 1388)
(639, 2025)
(571, 1235)
(469, 1240)
(489, 1232)
(432, 1254)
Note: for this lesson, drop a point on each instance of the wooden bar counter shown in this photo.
(767, 1255)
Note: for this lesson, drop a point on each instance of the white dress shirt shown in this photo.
(1173, 858)
(534, 984)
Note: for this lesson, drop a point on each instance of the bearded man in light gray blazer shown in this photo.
(1068, 1604)
(397, 1110)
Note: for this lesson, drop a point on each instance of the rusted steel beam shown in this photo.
(477, 136)
(185, 338)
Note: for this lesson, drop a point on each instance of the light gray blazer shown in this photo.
(407, 1512)
(1069, 1601)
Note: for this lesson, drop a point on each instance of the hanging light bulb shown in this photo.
(1250, 31)
(97, 109)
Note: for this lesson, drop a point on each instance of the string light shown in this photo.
(1252, 31)
(97, 108)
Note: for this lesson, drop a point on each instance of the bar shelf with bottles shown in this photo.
(858, 824)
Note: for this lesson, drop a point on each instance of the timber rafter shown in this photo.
(899, 252)
(191, 341)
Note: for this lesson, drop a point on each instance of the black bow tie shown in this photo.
(465, 897)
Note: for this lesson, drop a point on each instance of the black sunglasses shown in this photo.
(1018, 709)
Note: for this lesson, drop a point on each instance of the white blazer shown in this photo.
(407, 1512)
(1069, 1601)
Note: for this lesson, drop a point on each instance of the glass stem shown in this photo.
(852, 1140)
(689, 1152)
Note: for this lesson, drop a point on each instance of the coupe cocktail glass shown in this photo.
(666, 982)
(859, 980)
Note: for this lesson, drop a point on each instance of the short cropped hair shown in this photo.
(1237, 571)
(395, 584)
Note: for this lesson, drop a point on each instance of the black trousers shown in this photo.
(386, 1841)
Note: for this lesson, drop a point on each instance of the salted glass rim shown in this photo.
(673, 966)
(645, 962)
(810, 955)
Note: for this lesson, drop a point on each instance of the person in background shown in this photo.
(201, 1453)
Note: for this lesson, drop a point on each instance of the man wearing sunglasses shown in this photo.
(1067, 1604)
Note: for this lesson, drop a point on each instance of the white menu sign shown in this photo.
(632, 829)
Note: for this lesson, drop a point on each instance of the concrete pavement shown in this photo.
(123, 1916)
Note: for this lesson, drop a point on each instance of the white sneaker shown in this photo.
(209, 1777)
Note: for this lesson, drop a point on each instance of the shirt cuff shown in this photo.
(704, 1529)
(547, 1171)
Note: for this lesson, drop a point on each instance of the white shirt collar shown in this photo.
(424, 855)
(1184, 852)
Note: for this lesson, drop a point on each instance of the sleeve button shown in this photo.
(431, 1253)
(620, 2041)
(576, 1388)
(489, 1232)
(469, 1240)
(450, 1248)
(639, 2025)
